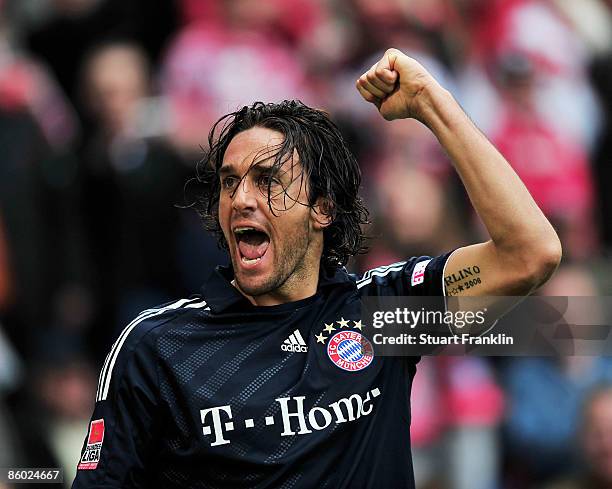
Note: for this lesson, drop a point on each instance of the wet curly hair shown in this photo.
(330, 168)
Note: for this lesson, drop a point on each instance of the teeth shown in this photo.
(249, 262)
(243, 230)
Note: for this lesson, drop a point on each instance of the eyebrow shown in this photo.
(226, 169)
(257, 168)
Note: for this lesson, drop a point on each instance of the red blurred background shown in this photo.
(105, 106)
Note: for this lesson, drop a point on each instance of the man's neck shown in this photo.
(299, 288)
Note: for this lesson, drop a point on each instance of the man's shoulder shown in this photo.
(155, 321)
(139, 337)
(146, 328)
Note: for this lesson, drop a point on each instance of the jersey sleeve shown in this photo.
(420, 276)
(417, 276)
(121, 437)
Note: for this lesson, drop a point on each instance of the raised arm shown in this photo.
(523, 250)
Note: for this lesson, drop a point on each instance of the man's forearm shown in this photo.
(524, 249)
(512, 218)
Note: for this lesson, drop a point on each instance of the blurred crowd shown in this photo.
(105, 106)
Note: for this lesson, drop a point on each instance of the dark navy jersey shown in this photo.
(213, 392)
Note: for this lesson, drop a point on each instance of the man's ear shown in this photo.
(321, 213)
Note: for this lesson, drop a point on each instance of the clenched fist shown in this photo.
(395, 84)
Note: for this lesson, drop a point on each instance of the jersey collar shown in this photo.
(220, 294)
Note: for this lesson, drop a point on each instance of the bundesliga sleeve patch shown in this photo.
(91, 455)
(418, 273)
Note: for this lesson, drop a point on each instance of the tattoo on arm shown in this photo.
(466, 278)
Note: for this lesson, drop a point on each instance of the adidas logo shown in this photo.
(295, 343)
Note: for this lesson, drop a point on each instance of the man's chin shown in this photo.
(253, 286)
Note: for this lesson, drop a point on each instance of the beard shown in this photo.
(288, 267)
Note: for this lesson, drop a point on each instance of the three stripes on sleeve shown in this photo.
(109, 363)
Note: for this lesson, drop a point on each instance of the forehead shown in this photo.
(253, 144)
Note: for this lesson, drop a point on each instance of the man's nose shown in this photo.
(244, 198)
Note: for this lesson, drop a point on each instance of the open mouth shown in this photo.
(252, 244)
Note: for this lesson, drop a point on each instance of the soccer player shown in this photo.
(265, 379)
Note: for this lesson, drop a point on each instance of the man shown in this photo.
(266, 380)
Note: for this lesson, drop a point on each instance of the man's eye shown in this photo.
(267, 180)
(229, 183)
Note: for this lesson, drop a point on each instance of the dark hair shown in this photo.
(331, 169)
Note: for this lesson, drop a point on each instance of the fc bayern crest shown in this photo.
(350, 350)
